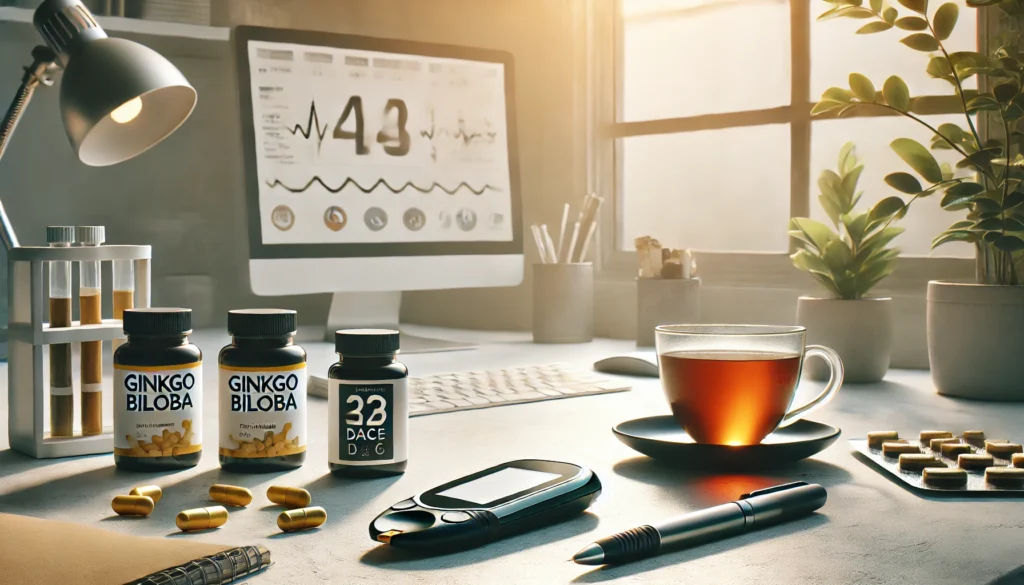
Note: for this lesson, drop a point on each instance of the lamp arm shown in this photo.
(44, 62)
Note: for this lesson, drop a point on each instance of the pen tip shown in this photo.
(591, 555)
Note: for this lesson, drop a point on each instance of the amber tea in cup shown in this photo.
(734, 384)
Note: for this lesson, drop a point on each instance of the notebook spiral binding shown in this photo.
(223, 567)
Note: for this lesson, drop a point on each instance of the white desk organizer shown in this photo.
(28, 334)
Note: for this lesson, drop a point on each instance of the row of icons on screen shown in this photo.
(376, 219)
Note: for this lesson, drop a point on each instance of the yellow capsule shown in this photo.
(202, 518)
(289, 497)
(153, 491)
(231, 495)
(132, 505)
(291, 520)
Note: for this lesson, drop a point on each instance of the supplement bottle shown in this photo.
(158, 392)
(262, 393)
(367, 405)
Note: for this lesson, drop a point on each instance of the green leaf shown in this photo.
(988, 225)
(921, 42)
(951, 131)
(816, 232)
(1013, 200)
(1005, 92)
(856, 225)
(849, 184)
(960, 225)
(867, 278)
(918, 158)
(904, 182)
(830, 183)
(954, 236)
(824, 106)
(919, 6)
(982, 102)
(877, 241)
(862, 87)
(837, 94)
(887, 208)
(889, 14)
(896, 94)
(985, 204)
(856, 12)
(966, 188)
(957, 201)
(876, 5)
(944, 20)
(808, 262)
(1012, 224)
(846, 162)
(1010, 244)
(837, 256)
(939, 67)
(874, 27)
(830, 207)
(912, 23)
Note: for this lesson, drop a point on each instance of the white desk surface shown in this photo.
(872, 530)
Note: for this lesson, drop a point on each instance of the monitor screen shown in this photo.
(357, 147)
(498, 485)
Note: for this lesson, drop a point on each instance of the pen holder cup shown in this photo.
(665, 301)
(563, 303)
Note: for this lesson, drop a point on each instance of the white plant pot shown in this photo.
(975, 340)
(860, 331)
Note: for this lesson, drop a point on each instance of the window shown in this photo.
(709, 137)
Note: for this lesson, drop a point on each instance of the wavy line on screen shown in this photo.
(409, 184)
(466, 138)
(314, 120)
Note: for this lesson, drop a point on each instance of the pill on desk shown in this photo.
(918, 461)
(1005, 476)
(202, 518)
(153, 491)
(975, 461)
(1018, 460)
(936, 444)
(1002, 449)
(290, 497)
(927, 436)
(974, 436)
(876, 438)
(954, 450)
(302, 518)
(132, 505)
(231, 495)
(894, 448)
(945, 477)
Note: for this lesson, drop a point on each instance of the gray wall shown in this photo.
(185, 196)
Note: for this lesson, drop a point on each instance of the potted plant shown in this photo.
(848, 260)
(975, 328)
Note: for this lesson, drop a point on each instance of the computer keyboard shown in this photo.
(487, 388)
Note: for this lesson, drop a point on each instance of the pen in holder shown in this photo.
(563, 303)
(664, 301)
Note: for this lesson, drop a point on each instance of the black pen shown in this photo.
(757, 509)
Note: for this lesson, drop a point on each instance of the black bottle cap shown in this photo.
(162, 321)
(366, 341)
(261, 322)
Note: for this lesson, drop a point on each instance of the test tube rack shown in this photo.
(28, 335)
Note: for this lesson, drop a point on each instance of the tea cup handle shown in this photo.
(835, 381)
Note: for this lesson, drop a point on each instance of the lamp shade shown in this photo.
(117, 98)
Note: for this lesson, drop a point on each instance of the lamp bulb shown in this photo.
(127, 111)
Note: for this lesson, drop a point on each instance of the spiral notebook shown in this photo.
(33, 550)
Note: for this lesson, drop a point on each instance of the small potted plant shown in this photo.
(848, 260)
(975, 327)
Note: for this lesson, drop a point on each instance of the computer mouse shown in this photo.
(643, 364)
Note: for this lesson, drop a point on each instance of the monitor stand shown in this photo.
(380, 310)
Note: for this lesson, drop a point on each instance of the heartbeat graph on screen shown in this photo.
(277, 183)
(460, 134)
(312, 123)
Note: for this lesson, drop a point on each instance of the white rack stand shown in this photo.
(28, 334)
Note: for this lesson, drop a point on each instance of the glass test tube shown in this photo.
(62, 400)
(91, 313)
(124, 291)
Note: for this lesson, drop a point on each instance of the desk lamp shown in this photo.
(117, 99)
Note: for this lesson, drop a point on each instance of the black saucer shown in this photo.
(661, 438)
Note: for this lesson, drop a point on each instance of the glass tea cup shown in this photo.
(734, 384)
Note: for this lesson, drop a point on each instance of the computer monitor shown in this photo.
(374, 166)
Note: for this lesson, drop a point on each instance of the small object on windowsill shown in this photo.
(658, 262)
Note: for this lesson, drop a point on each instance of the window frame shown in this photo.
(605, 28)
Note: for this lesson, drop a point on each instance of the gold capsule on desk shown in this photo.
(289, 497)
(231, 495)
(132, 505)
(153, 491)
(201, 518)
(302, 518)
